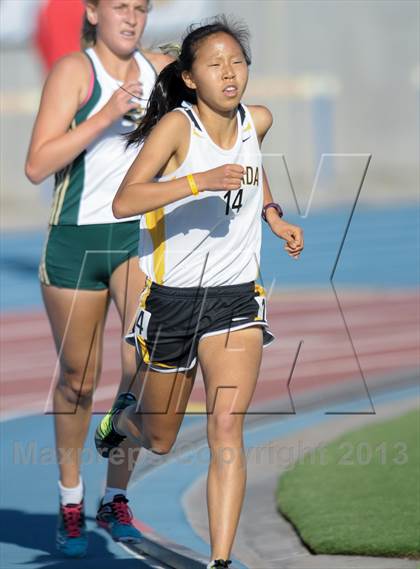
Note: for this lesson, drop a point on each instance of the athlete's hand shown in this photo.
(224, 178)
(121, 102)
(292, 234)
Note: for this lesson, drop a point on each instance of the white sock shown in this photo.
(71, 495)
(111, 492)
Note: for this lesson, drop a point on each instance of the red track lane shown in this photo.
(384, 328)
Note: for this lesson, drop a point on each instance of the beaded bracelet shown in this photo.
(275, 206)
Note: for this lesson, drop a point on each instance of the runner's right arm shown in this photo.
(53, 145)
(164, 150)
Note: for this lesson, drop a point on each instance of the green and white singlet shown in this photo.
(84, 189)
(85, 242)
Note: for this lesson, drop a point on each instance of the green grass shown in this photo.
(359, 495)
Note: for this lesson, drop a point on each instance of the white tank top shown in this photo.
(212, 239)
(84, 189)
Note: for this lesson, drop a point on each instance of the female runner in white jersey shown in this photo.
(91, 257)
(199, 182)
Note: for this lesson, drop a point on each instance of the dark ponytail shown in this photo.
(170, 89)
(167, 94)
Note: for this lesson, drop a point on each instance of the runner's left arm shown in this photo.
(292, 234)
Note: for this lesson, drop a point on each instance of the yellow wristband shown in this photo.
(192, 184)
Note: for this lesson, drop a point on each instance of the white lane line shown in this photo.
(153, 563)
(27, 405)
(274, 374)
(388, 308)
(41, 365)
(320, 339)
(30, 404)
(290, 326)
(338, 353)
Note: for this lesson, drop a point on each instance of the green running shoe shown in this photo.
(106, 437)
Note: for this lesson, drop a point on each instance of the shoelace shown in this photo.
(73, 519)
(120, 509)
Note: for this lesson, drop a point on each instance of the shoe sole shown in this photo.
(105, 526)
(69, 555)
(102, 449)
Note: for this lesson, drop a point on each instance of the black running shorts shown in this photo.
(171, 321)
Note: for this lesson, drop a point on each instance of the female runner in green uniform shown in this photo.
(90, 257)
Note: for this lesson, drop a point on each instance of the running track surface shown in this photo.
(383, 327)
(377, 311)
(378, 319)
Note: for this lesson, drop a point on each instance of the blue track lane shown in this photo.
(175, 477)
(28, 524)
(29, 501)
(380, 250)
